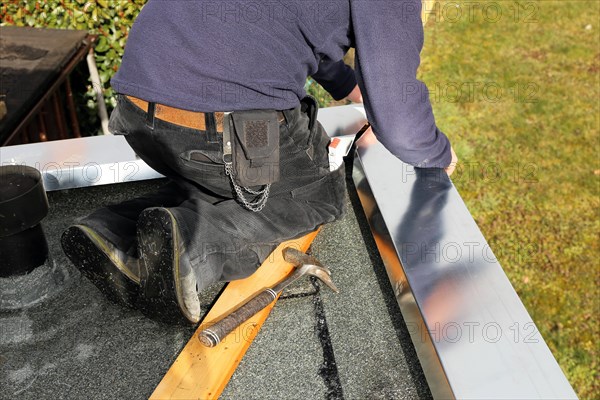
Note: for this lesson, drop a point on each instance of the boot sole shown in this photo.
(158, 238)
(89, 252)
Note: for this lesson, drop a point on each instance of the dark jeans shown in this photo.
(224, 241)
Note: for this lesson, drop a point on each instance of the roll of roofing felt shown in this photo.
(23, 205)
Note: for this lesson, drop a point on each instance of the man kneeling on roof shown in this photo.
(213, 98)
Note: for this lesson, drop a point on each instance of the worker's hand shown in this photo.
(355, 95)
(450, 168)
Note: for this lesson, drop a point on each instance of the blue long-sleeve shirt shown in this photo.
(336, 77)
(231, 55)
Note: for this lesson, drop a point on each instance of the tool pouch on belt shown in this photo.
(251, 155)
(255, 147)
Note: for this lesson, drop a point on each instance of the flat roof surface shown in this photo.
(315, 344)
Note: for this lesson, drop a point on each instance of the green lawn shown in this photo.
(518, 94)
(525, 125)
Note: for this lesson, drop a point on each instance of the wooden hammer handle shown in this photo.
(214, 334)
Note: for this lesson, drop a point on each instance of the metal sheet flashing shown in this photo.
(473, 336)
(81, 162)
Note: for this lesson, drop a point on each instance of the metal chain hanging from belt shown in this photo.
(254, 205)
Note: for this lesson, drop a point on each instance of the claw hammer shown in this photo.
(305, 265)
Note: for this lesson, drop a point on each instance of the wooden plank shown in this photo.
(201, 372)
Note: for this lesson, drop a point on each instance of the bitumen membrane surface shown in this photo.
(74, 343)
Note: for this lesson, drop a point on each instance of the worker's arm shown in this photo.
(336, 77)
(388, 41)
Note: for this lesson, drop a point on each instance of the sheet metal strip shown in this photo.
(473, 336)
(81, 162)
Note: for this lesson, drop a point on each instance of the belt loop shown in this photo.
(150, 115)
(211, 127)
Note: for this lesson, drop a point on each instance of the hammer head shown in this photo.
(309, 265)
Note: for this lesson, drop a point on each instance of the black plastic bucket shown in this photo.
(23, 205)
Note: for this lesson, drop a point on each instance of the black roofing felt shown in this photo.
(315, 344)
(32, 58)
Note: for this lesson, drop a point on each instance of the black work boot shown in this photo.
(113, 271)
(167, 280)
